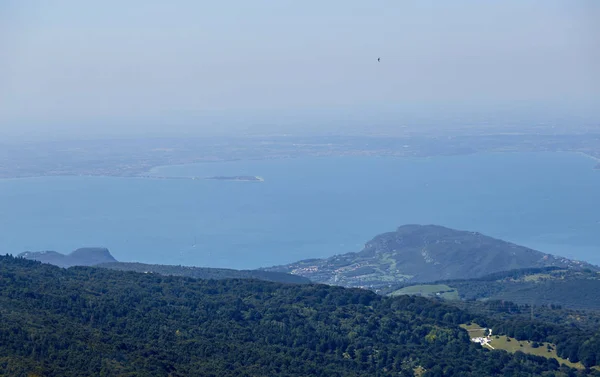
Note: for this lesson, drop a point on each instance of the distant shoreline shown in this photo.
(251, 178)
(149, 170)
(597, 159)
(241, 178)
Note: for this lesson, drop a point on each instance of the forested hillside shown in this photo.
(90, 321)
(570, 288)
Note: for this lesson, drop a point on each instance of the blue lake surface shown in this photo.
(307, 207)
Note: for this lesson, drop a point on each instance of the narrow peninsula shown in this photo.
(250, 178)
(244, 178)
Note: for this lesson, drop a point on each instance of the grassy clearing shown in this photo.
(502, 342)
(474, 330)
(538, 277)
(388, 258)
(512, 345)
(429, 290)
(419, 371)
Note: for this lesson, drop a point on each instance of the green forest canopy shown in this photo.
(91, 321)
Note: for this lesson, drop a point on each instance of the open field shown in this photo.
(512, 345)
(474, 330)
(502, 342)
(538, 277)
(429, 290)
(419, 371)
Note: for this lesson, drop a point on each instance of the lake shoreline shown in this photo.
(592, 157)
(147, 172)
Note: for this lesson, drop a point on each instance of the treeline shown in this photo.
(493, 277)
(588, 320)
(576, 293)
(206, 272)
(90, 321)
(518, 273)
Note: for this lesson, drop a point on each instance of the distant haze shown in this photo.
(72, 67)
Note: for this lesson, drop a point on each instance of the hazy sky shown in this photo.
(102, 67)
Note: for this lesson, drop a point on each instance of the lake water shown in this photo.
(307, 207)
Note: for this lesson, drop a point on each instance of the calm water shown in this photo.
(307, 207)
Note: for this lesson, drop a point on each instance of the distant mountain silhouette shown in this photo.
(87, 256)
(101, 257)
(423, 253)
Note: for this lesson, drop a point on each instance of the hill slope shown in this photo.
(423, 253)
(575, 289)
(93, 321)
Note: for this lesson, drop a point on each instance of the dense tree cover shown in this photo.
(519, 273)
(586, 320)
(572, 293)
(90, 321)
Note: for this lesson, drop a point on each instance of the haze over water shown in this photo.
(306, 208)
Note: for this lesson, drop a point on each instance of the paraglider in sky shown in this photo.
(378, 60)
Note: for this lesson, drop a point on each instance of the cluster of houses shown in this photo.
(484, 341)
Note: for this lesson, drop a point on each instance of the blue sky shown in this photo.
(72, 67)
